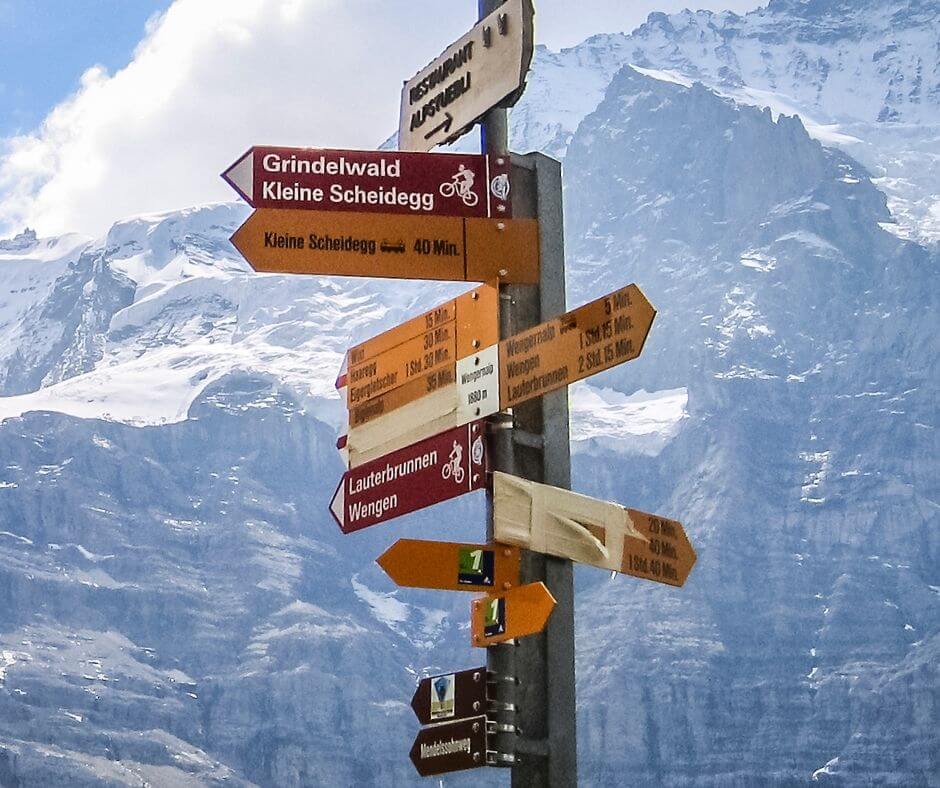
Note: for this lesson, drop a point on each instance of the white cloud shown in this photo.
(213, 77)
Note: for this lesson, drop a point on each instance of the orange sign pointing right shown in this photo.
(520, 611)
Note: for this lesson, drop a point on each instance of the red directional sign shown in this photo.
(423, 474)
(419, 184)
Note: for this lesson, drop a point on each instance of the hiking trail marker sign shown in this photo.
(405, 358)
(483, 69)
(362, 181)
(451, 566)
(422, 474)
(390, 245)
(590, 339)
(450, 696)
(559, 522)
(506, 615)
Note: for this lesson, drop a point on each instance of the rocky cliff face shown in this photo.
(178, 608)
(808, 463)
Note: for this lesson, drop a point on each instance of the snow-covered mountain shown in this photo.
(178, 608)
(863, 76)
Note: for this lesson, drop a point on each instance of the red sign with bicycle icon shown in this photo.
(419, 184)
(428, 472)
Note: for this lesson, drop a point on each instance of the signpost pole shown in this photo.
(544, 744)
(500, 658)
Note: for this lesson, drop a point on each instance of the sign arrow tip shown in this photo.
(337, 504)
(240, 176)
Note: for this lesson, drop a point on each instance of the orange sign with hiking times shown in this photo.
(392, 246)
(410, 352)
(580, 343)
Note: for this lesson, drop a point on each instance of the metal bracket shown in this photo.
(499, 758)
(495, 705)
(500, 421)
(499, 727)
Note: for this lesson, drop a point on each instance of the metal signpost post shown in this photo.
(543, 748)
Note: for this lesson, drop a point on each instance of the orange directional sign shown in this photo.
(568, 525)
(451, 566)
(520, 611)
(588, 340)
(388, 245)
(406, 355)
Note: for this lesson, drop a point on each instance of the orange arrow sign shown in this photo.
(389, 245)
(451, 566)
(581, 343)
(520, 611)
(405, 356)
(600, 533)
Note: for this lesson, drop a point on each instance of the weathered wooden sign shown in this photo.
(407, 356)
(418, 184)
(422, 474)
(568, 525)
(451, 566)
(396, 246)
(450, 747)
(506, 615)
(580, 343)
(450, 696)
(481, 70)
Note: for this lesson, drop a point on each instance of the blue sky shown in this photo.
(103, 116)
(47, 44)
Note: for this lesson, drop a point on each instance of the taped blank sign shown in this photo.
(559, 522)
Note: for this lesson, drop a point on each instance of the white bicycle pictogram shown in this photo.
(454, 466)
(461, 184)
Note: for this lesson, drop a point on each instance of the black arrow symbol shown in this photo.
(445, 126)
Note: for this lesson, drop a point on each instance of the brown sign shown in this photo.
(450, 747)
(370, 181)
(451, 566)
(520, 611)
(562, 523)
(581, 343)
(482, 69)
(452, 696)
(401, 357)
(388, 245)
